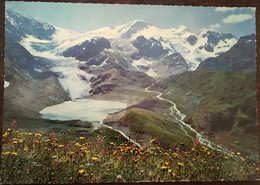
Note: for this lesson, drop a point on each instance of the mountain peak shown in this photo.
(19, 26)
(182, 28)
(134, 22)
(240, 57)
(133, 27)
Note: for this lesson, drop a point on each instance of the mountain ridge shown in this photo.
(220, 102)
(240, 57)
(193, 47)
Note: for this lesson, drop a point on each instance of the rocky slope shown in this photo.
(18, 27)
(241, 57)
(31, 86)
(116, 78)
(220, 101)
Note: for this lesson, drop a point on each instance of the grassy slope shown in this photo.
(220, 103)
(144, 123)
(26, 96)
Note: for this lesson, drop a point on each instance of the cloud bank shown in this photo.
(236, 18)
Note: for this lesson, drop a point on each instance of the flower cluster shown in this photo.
(61, 158)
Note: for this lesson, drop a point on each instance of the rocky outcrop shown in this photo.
(30, 90)
(18, 27)
(88, 49)
(150, 48)
(241, 57)
(113, 78)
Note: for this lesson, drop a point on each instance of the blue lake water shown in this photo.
(82, 109)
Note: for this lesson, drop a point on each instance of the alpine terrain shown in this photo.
(133, 82)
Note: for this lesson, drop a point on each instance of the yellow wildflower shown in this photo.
(238, 153)
(193, 149)
(14, 139)
(226, 157)
(30, 134)
(20, 141)
(38, 134)
(169, 170)
(81, 138)
(60, 146)
(25, 149)
(242, 159)
(81, 171)
(166, 163)
(208, 153)
(164, 167)
(14, 153)
(180, 164)
(95, 159)
(77, 145)
(175, 155)
(36, 141)
(152, 140)
(47, 140)
(15, 142)
(6, 153)
(8, 129)
(5, 134)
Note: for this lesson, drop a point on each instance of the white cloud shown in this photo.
(224, 9)
(235, 18)
(214, 26)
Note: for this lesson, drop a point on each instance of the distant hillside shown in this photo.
(241, 57)
(219, 98)
(221, 104)
(143, 124)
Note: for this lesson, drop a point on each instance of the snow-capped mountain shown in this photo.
(19, 27)
(155, 51)
(241, 57)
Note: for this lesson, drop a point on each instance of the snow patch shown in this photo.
(38, 70)
(141, 62)
(151, 73)
(6, 84)
(11, 20)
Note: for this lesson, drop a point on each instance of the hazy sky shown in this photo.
(86, 17)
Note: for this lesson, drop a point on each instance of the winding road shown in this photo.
(179, 117)
(123, 134)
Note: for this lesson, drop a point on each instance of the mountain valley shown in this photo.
(209, 75)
